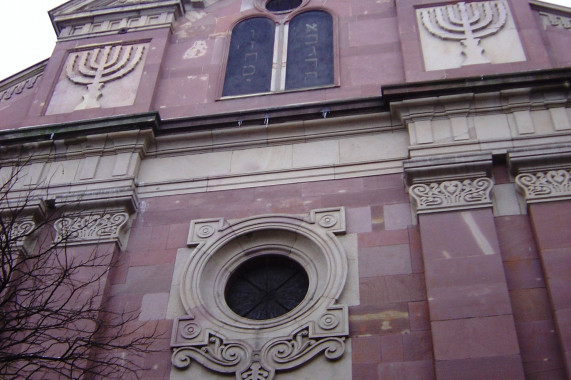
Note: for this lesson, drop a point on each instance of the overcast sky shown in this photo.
(27, 36)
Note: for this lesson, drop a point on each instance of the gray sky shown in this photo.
(28, 36)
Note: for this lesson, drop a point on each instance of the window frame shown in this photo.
(278, 78)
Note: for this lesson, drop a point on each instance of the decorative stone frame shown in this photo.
(222, 341)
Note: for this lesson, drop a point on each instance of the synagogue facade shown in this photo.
(314, 189)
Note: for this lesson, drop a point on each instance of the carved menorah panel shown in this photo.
(463, 34)
(101, 77)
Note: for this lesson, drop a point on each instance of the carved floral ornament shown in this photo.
(95, 227)
(547, 185)
(217, 338)
(452, 195)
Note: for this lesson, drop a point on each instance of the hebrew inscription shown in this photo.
(101, 77)
(465, 34)
(310, 51)
(249, 68)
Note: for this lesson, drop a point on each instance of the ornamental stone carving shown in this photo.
(468, 34)
(556, 21)
(545, 186)
(96, 227)
(16, 89)
(101, 77)
(215, 336)
(452, 195)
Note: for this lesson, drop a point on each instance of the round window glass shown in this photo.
(282, 5)
(266, 287)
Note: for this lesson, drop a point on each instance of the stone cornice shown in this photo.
(82, 19)
(143, 121)
(447, 168)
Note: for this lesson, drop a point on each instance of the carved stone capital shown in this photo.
(452, 195)
(451, 182)
(550, 185)
(91, 227)
(20, 224)
(542, 173)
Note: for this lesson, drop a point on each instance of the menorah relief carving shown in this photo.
(96, 67)
(467, 25)
(101, 77)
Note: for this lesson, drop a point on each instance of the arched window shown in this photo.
(249, 68)
(302, 59)
(310, 51)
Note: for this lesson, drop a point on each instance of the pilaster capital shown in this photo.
(452, 182)
(542, 174)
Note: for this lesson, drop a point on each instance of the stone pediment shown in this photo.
(85, 18)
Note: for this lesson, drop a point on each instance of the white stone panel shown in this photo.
(444, 48)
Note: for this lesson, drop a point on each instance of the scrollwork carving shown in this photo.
(553, 184)
(300, 348)
(452, 194)
(216, 355)
(19, 88)
(96, 227)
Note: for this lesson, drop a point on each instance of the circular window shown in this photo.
(266, 287)
(282, 5)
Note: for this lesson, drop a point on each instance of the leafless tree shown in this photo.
(55, 318)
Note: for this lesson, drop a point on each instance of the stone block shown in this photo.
(154, 306)
(551, 221)
(397, 216)
(516, 238)
(417, 346)
(474, 338)
(413, 370)
(392, 348)
(524, 274)
(530, 305)
(358, 219)
(379, 320)
(492, 368)
(384, 261)
(458, 234)
(540, 349)
(366, 349)
(468, 301)
(419, 316)
(383, 238)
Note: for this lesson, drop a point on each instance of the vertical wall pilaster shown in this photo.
(544, 179)
(473, 328)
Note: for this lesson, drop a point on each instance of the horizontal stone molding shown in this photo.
(451, 195)
(552, 185)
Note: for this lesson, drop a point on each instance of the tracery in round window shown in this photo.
(266, 287)
(282, 5)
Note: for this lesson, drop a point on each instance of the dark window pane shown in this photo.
(282, 5)
(310, 50)
(266, 287)
(249, 68)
